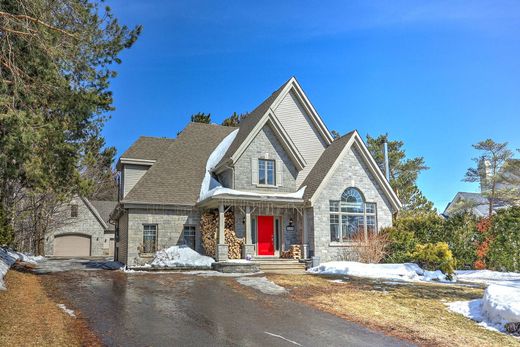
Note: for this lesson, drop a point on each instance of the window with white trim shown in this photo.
(266, 172)
(351, 215)
(149, 238)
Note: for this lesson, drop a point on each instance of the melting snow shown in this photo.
(262, 284)
(66, 310)
(181, 256)
(9, 257)
(510, 279)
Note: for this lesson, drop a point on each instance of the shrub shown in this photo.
(461, 234)
(435, 256)
(503, 253)
(371, 249)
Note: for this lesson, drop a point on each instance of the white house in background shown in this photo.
(280, 172)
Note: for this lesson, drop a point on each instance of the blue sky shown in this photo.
(438, 75)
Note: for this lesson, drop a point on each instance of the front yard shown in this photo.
(416, 312)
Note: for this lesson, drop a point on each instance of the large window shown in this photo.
(266, 172)
(189, 236)
(351, 215)
(149, 238)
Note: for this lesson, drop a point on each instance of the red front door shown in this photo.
(265, 235)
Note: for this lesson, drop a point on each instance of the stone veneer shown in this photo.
(170, 225)
(351, 172)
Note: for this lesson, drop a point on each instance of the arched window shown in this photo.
(351, 215)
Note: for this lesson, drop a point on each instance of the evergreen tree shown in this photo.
(403, 172)
(233, 120)
(57, 59)
(335, 134)
(497, 172)
(201, 118)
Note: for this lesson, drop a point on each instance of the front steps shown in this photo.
(280, 265)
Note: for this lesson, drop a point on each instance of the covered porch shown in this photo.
(269, 225)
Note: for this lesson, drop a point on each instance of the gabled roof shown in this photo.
(176, 176)
(326, 164)
(253, 122)
(104, 209)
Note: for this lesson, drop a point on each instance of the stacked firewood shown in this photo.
(209, 228)
(294, 252)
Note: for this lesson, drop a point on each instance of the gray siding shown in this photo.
(85, 224)
(351, 172)
(302, 132)
(131, 175)
(226, 178)
(170, 224)
(265, 143)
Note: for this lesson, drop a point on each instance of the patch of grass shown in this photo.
(414, 312)
(28, 317)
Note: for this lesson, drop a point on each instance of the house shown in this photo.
(280, 172)
(478, 203)
(84, 230)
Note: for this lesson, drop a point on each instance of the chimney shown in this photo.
(387, 165)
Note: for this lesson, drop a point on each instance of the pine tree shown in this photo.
(233, 120)
(403, 172)
(201, 118)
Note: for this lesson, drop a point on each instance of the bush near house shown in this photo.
(474, 243)
(435, 256)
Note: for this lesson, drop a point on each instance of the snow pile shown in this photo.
(400, 272)
(181, 256)
(209, 183)
(262, 284)
(9, 257)
(499, 306)
(511, 279)
(67, 310)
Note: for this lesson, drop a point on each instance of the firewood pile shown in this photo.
(294, 252)
(209, 229)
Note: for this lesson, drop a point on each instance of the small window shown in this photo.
(266, 172)
(74, 210)
(149, 238)
(189, 236)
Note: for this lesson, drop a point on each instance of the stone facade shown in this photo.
(351, 172)
(170, 225)
(265, 145)
(84, 224)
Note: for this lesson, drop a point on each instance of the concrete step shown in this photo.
(281, 266)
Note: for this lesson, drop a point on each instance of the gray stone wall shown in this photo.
(85, 223)
(170, 225)
(351, 172)
(265, 143)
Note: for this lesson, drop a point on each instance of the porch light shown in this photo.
(290, 221)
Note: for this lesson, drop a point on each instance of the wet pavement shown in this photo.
(173, 309)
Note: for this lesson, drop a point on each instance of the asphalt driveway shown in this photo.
(173, 309)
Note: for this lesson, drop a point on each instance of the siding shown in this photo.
(302, 132)
(123, 239)
(131, 175)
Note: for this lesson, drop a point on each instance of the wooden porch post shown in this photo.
(222, 248)
(249, 232)
(305, 235)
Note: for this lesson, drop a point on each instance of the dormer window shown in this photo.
(266, 172)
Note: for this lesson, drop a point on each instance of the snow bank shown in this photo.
(510, 279)
(219, 190)
(500, 305)
(399, 272)
(181, 256)
(209, 183)
(9, 257)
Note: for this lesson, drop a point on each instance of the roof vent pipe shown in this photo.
(387, 165)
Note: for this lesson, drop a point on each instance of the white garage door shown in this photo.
(72, 245)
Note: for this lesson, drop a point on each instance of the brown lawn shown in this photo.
(414, 312)
(28, 317)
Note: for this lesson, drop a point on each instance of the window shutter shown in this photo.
(279, 173)
(254, 171)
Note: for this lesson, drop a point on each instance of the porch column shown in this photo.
(222, 248)
(305, 235)
(249, 248)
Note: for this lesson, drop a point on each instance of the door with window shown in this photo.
(265, 232)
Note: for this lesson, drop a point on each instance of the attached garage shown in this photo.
(72, 245)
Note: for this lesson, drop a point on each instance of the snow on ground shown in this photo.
(9, 257)
(66, 310)
(181, 256)
(511, 279)
(396, 272)
(262, 284)
(500, 305)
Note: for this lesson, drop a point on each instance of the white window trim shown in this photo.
(267, 185)
(365, 225)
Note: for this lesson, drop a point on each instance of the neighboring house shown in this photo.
(477, 203)
(84, 230)
(280, 172)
